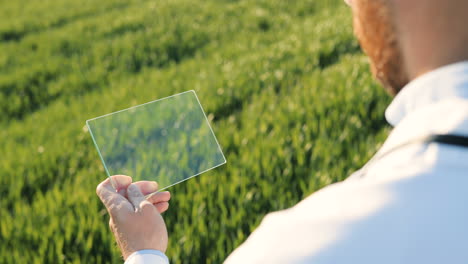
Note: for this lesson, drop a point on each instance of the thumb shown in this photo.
(114, 202)
(136, 197)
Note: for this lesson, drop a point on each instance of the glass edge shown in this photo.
(97, 148)
(209, 125)
(136, 106)
(188, 178)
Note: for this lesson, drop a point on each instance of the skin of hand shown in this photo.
(136, 221)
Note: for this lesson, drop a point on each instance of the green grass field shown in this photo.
(284, 83)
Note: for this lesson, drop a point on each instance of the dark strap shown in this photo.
(454, 140)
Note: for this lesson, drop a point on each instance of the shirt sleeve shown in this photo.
(147, 256)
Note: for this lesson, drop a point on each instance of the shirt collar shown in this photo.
(446, 82)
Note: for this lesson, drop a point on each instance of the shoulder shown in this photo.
(364, 221)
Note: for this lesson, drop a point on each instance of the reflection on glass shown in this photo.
(168, 140)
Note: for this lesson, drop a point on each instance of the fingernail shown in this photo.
(155, 185)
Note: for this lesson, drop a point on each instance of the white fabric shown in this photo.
(147, 256)
(410, 207)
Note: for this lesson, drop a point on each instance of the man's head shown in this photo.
(407, 38)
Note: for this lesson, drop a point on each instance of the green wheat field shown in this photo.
(284, 84)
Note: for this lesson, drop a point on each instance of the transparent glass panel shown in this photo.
(167, 140)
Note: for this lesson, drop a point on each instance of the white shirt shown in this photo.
(411, 206)
(147, 256)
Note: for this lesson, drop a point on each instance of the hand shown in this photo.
(136, 222)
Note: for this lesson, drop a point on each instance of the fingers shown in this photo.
(120, 182)
(147, 187)
(159, 197)
(114, 190)
(137, 198)
(160, 201)
(114, 183)
(162, 207)
(109, 196)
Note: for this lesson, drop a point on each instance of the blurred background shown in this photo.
(284, 83)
